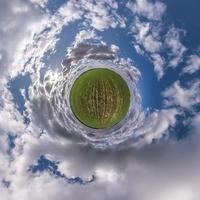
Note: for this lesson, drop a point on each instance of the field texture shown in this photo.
(100, 98)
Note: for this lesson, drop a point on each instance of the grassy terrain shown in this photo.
(99, 98)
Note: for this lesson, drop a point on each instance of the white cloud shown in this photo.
(153, 11)
(177, 49)
(28, 46)
(155, 172)
(185, 97)
(151, 38)
(156, 125)
(150, 173)
(142, 129)
(40, 35)
(11, 123)
(25, 51)
(41, 29)
(41, 3)
(70, 11)
(84, 35)
(192, 64)
(19, 20)
(10, 119)
(159, 63)
(151, 44)
(107, 175)
(143, 36)
(102, 14)
(148, 42)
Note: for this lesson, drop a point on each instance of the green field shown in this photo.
(99, 98)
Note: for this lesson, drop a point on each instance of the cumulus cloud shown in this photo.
(192, 64)
(145, 166)
(185, 97)
(41, 30)
(130, 173)
(156, 125)
(172, 41)
(39, 34)
(84, 35)
(102, 14)
(43, 37)
(137, 129)
(151, 38)
(57, 117)
(14, 16)
(11, 125)
(153, 11)
(10, 119)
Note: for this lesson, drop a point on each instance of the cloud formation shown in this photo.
(185, 97)
(130, 173)
(144, 163)
(52, 96)
(193, 64)
(152, 37)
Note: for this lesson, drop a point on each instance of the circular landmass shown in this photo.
(100, 98)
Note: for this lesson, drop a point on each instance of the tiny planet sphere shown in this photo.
(99, 98)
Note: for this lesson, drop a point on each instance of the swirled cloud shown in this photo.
(46, 153)
(56, 87)
(136, 129)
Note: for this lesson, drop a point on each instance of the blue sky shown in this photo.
(43, 149)
(149, 86)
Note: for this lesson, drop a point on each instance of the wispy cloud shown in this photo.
(102, 14)
(138, 173)
(192, 64)
(152, 38)
(142, 168)
(185, 97)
